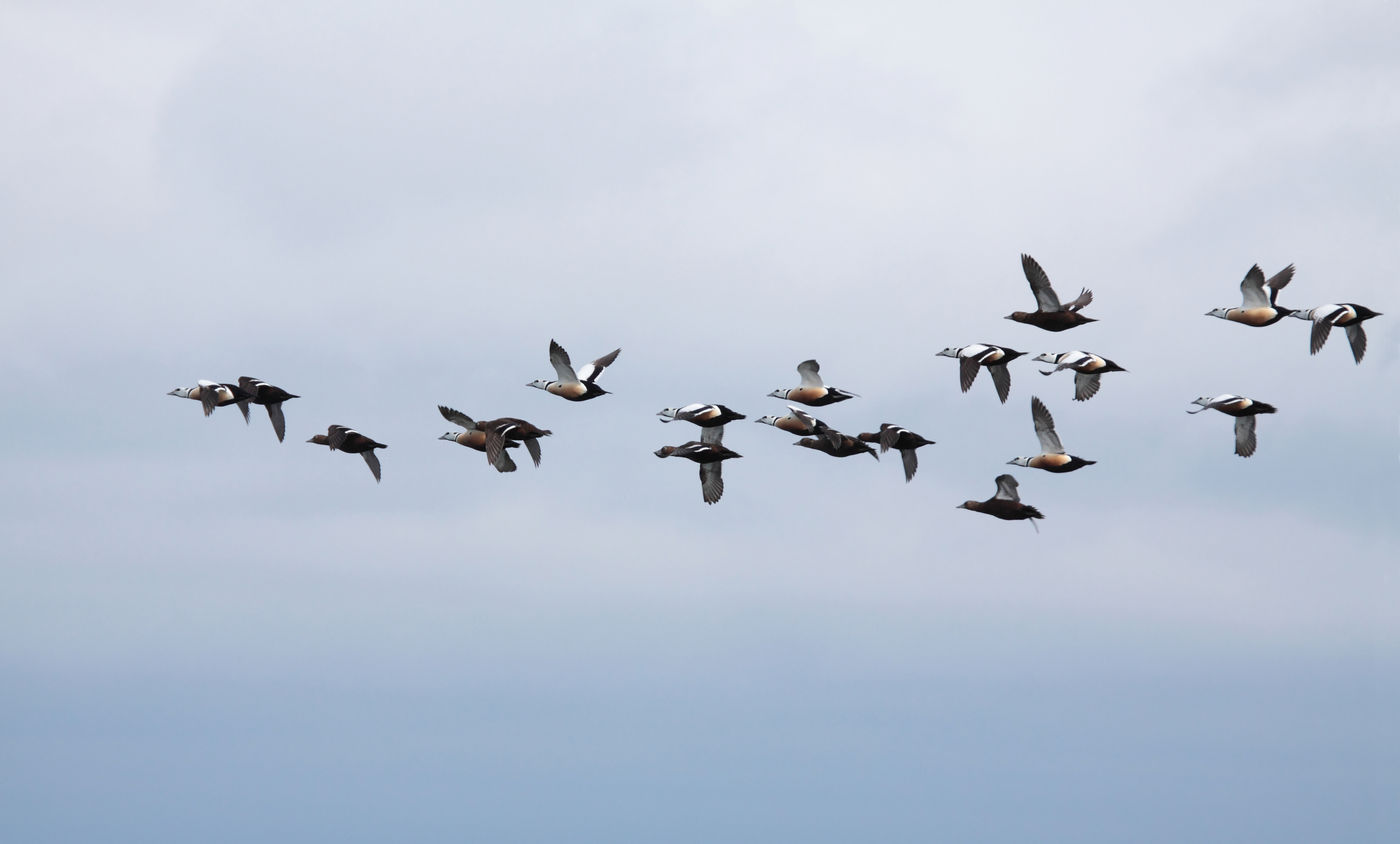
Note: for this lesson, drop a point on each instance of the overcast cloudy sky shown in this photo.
(210, 636)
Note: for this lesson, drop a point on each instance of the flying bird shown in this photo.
(906, 441)
(1244, 410)
(211, 394)
(473, 436)
(263, 393)
(812, 392)
(1049, 313)
(704, 415)
(508, 429)
(801, 423)
(341, 438)
(837, 444)
(709, 451)
(574, 386)
(1258, 309)
(1052, 457)
(1347, 316)
(1006, 504)
(994, 358)
(1087, 369)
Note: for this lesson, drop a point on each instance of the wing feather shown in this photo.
(711, 483)
(1006, 488)
(1321, 330)
(504, 463)
(279, 422)
(1045, 297)
(911, 463)
(1356, 335)
(1001, 377)
(1086, 296)
(1045, 428)
(1252, 289)
(336, 436)
(495, 446)
(967, 372)
(560, 360)
(590, 373)
(1279, 281)
(1086, 385)
(889, 435)
(457, 417)
(810, 371)
(1244, 435)
(372, 461)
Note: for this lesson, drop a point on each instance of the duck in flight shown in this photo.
(1346, 315)
(1258, 308)
(994, 358)
(1244, 410)
(1052, 457)
(812, 392)
(1049, 313)
(574, 386)
(837, 444)
(1006, 504)
(500, 433)
(906, 441)
(704, 415)
(211, 394)
(270, 397)
(474, 436)
(341, 438)
(801, 423)
(709, 451)
(1087, 369)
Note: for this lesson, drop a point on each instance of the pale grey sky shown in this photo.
(209, 635)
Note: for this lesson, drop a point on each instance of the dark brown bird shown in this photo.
(837, 444)
(474, 437)
(341, 438)
(893, 436)
(709, 451)
(1006, 504)
(1049, 313)
(509, 429)
(263, 393)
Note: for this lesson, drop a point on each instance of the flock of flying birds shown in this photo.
(495, 437)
